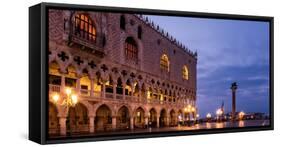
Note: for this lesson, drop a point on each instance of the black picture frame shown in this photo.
(38, 69)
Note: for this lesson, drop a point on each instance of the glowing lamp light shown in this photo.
(180, 118)
(193, 109)
(68, 91)
(219, 112)
(209, 115)
(241, 114)
(56, 97)
(74, 99)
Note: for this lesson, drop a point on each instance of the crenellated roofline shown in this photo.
(165, 34)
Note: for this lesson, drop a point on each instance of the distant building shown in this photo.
(126, 71)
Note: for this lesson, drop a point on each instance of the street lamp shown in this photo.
(209, 116)
(193, 112)
(241, 115)
(56, 97)
(197, 118)
(192, 109)
(70, 99)
(187, 110)
(219, 113)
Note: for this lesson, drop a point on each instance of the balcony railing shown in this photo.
(128, 98)
(54, 88)
(85, 92)
(93, 44)
(108, 95)
(119, 96)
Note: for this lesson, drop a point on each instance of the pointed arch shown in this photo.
(103, 120)
(131, 49)
(78, 120)
(139, 114)
(164, 63)
(185, 73)
(152, 118)
(128, 88)
(85, 27)
(123, 118)
(53, 123)
(163, 118)
(173, 118)
(119, 86)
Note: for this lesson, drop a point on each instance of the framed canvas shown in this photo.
(103, 73)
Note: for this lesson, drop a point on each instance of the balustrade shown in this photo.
(129, 98)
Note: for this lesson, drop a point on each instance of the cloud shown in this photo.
(259, 77)
(228, 50)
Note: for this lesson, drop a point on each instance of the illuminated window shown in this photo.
(131, 50)
(164, 62)
(185, 72)
(84, 27)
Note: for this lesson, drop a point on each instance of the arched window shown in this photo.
(84, 27)
(164, 62)
(185, 72)
(131, 50)
(139, 32)
(122, 22)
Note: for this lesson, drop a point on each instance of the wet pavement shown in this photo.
(212, 125)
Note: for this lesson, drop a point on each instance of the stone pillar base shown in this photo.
(92, 124)
(114, 123)
(62, 122)
(131, 123)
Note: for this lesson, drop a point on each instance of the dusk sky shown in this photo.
(228, 51)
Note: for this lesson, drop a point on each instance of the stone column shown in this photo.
(62, 122)
(158, 121)
(114, 122)
(132, 123)
(140, 96)
(177, 118)
(103, 90)
(78, 85)
(114, 90)
(233, 89)
(146, 121)
(146, 95)
(123, 88)
(133, 90)
(62, 83)
(92, 124)
(168, 121)
(92, 88)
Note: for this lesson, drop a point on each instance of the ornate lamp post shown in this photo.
(233, 89)
(193, 111)
(209, 116)
(188, 110)
(197, 118)
(241, 115)
(69, 100)
(219, 113)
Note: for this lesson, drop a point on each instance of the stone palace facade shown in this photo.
(127, 73)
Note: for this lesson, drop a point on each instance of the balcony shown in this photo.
(87, 42)
(54, 88)
(97, 96)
